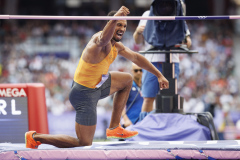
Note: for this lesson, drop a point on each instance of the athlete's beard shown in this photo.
(116, 40)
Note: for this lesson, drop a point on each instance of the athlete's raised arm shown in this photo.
(108, 31)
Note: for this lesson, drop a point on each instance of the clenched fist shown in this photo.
(163, 83)
(123, 11)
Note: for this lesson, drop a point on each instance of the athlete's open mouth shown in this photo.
(120, 34)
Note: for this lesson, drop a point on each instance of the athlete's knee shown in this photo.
(129, 78)
(85, 142)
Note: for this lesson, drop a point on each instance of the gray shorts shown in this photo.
(85, 100)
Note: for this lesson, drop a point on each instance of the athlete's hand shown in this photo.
(123, 11)
(163, 83)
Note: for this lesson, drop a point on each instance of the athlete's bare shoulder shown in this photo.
(93, 51)
(95, 36)
(93, 41)
(120, 46)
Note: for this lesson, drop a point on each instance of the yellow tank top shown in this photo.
(89, 75)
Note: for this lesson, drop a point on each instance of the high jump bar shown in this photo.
(118, 17)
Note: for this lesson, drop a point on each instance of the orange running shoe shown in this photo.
(120, 133)
(30, 142)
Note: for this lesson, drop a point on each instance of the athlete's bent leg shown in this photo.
(121, 83)
(84, 133)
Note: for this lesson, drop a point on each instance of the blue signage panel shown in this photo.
(13, 119)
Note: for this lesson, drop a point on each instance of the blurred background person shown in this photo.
(161, 35)
(134, 103)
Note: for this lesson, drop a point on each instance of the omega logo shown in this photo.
(12, 92)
